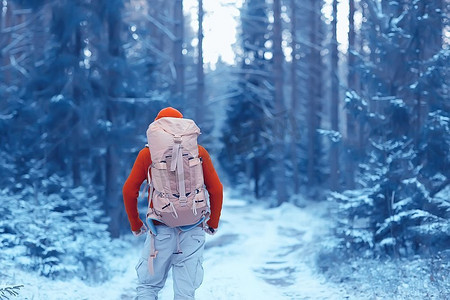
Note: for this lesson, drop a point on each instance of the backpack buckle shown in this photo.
(183, 200)
(177, 139)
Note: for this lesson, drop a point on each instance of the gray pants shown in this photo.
(186, 267)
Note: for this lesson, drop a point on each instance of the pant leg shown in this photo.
(150, 285)
(187, 266)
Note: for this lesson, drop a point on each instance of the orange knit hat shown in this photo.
(169, 112)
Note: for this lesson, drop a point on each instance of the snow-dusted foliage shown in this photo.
(80, 81)
(55, 230)
(9, 291)
(403, 205)
(76, 108)
(248, 155)
(67, 99)
(405, 222)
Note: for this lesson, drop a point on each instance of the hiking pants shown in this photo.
(186, 266)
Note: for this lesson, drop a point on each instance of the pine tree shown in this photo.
(247, 154)
(402, 200)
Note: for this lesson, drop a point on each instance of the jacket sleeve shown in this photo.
(132, 185)
(213, 186)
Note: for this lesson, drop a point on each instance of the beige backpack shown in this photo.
(176, 175)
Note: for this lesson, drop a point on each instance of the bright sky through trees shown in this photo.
(221, 21)
(220, 28)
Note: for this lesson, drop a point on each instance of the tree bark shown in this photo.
(200, 105)
(2, 36)
(77, 95)
(112, 195)
(334, 155)
(7, 21)
(295, 138)
(178, 49)
(314, 90)
(351, 84)
(278, 59)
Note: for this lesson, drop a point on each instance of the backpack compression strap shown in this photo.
(149, 222)
(150, 191)
(177, 164)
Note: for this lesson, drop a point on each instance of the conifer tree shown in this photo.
(248, 153)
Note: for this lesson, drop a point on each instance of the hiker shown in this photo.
(179, 212)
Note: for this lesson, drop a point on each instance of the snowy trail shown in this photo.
(258, 253)
(265, 254)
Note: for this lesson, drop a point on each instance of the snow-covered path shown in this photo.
(258, 253)
(261, 253)
(265, 254)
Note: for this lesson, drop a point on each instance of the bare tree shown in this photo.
(161, 41)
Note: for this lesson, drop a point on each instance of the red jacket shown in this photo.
(139, 173)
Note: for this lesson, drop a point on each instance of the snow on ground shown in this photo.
(36, 287)
(258, 253)
(265, 254)
(262, 253)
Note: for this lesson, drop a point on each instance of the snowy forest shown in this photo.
(329, 129)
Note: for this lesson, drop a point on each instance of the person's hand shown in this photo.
(141, 231)
(209, 230)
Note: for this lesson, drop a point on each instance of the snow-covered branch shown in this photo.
(7, 291)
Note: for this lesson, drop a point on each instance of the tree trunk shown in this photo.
(295, 138)
(427, 42)
(77, 94)
(360, 134)
(351, 84)
(313, 93)
(7, 21)
(178, 50)
(2, 35)
(200, 105)
(278, 59)
(112, 195)
(334, 155)
(256, 175)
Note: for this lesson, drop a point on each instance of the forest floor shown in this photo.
(261, 253)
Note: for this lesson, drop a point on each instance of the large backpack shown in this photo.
(177, 195)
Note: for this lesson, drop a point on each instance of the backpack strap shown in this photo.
(153, 253)
(150, 183)
(149, 186)
(177, 165)
(149, 221)
(151, 226)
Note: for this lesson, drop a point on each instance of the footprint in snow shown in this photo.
(278, 276)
